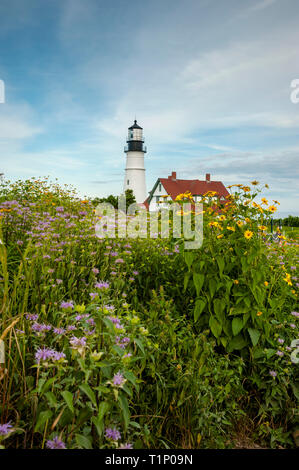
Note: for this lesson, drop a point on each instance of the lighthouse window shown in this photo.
(128, 181)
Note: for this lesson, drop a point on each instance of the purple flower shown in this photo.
(118, 379)
(39, 328)
(292, 325)
(44, 354)
(59, 331)
(78, 342)
(280, 340)
(95, 270)
(295, 314)
(273, 373)
(5, 429)
(113, 434)
(56, 443)
(67, 305)
(126, 446)
(102, 285)
(71, 328)
(32, 317)
(280, 353)
(19, 242)
(135, 273)
(119, 260)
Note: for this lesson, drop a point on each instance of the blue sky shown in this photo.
(208, 80)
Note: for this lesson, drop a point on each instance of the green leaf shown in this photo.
(51, 399)
(220, 262)
(199, 306)
(189, 258)
(83, 442)
(125, 409)
(254, 335)
(198, 280)
(212, 287)
(186, 280)
(237, 325)
(42, 418)
(219, 306)
(139, 343)
(215, 326)
(103, 408)
(68, 397)
(131, 377)
(237, 342)
(87, 390)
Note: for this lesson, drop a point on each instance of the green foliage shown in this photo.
(200, 340)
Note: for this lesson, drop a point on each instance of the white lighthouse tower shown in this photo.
(135, 171)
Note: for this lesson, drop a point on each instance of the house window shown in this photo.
(128, 181)
(160, 187)
(157, 198)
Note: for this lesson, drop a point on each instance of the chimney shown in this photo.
(208, 177)
(173, 175)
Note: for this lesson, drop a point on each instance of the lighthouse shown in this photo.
(135, 171)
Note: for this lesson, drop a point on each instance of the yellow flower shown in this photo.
(255, 183)
(262, 227)
(248, 234)
(266, 283)
(222, 217)
(246, 189)
(259, 314)
(264, 201)
(276, 202)
(272, 208)
(247, 220)
(231, 228)
(239, 223)
(220, 236)
(236, 281)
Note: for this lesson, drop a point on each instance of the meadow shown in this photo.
(138, 342)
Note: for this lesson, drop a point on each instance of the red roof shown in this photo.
(196, 187)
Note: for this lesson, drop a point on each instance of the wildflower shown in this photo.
(236, 281)
(102, 285)
(78, 343)
(220, 236)
(112, 434)
(67, 305)
(262, 227)
(248, 234)
(126, 446)
(231, 228)
(32, 317)
(254, 183)
(259, 314)
(95, 271)
(280, 340)
(43, 354)
(279, 353)
(292, 325)
(5, 429)
(118, 380)
(58, 331)
(56, 443)
(264, 201)
(239, 223)
(273, 373)
(266, 283)
(295, 314)
(272, 209)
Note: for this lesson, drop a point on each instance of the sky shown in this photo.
(209, 81)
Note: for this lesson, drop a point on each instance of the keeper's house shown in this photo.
(167, 189)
